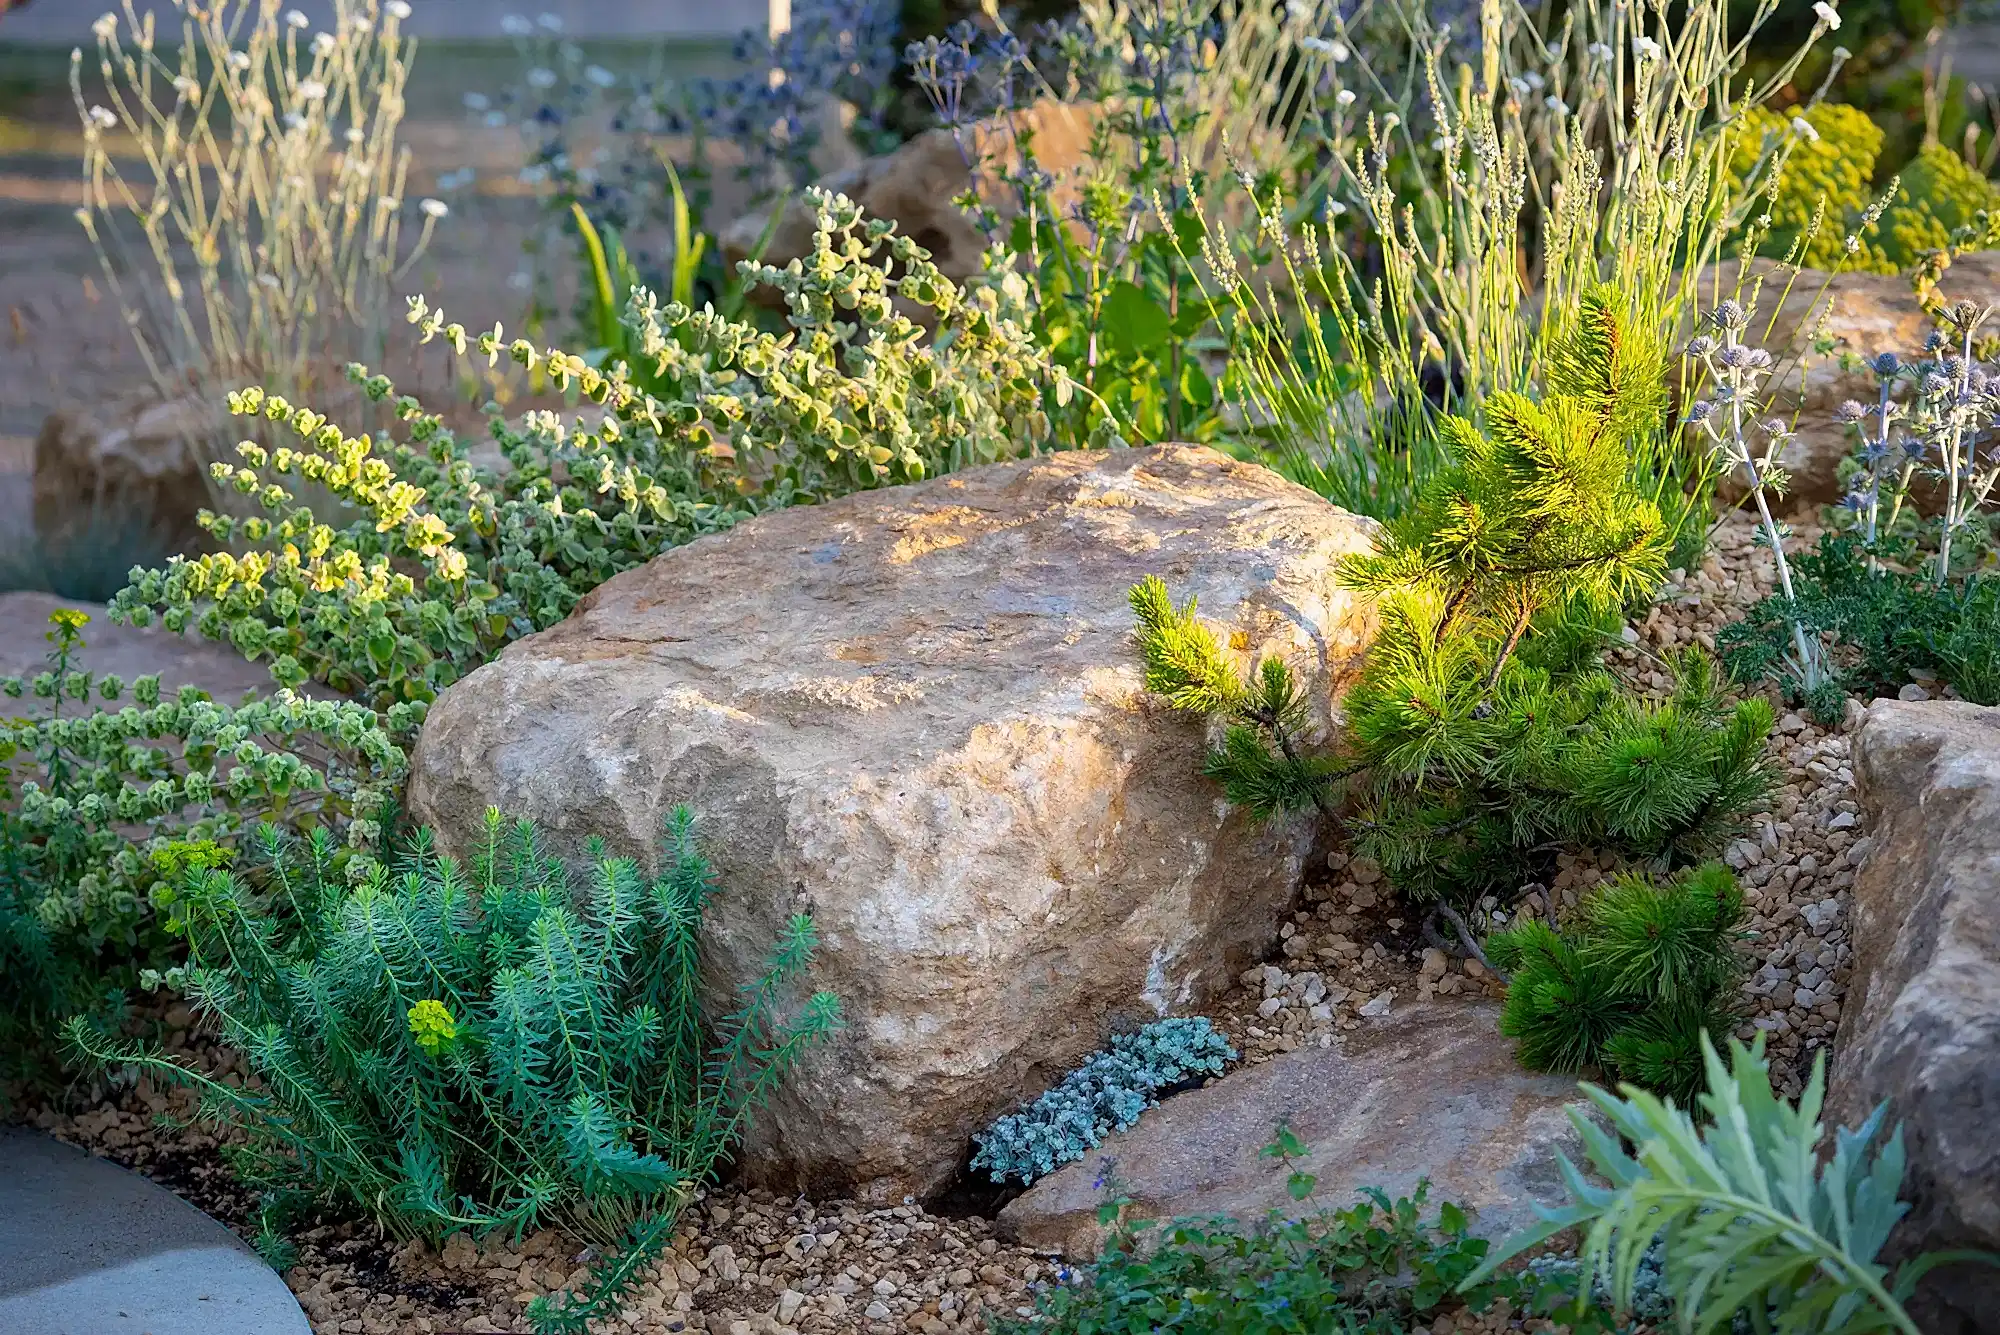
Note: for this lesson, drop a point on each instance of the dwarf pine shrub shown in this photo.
(109, 773)
(1630, 983)
(436, 563)
(493, 1046)
(1484, 731)
(1105, 1094)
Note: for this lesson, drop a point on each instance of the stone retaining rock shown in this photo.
(1922, 1022)
(1428, 1091)
(917, 714)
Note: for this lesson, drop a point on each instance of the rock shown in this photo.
(917, 714)
(917, 186)
(124, 650)
(1921, 1026)
(135, 473)
(1433, 1091)
(88, 1248)
(1863, 314)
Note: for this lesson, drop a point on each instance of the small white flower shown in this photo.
(541, 77)
(106, 28)
(1556, 104)
(311, 90)
(1317, 44)
(322, 44)
(1804, 130)
(294, 121)
(1648, 48)
(1601, 51)
(434, 208)
(600, 76)
(1519, 86)
(239, 61)
(515, 26)
(362, 25)
(186, 87)
(1828, 16)
(1335, 208)
(101, 118)
(388, 203)
(1534, 81)
(1339, 52)
(1345, 97)
(355, 135)
(548, 22)
(1391, 121)
(268, 280)
(297, 19)
(477, 102)
(398, 9)
(1842, 54)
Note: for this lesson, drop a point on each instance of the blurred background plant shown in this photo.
(262, 239)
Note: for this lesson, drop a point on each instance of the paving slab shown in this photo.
(89, 1248)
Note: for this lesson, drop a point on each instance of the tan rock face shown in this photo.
(918, 184)
(1921, 1027)
(98, 471)
(917, 714)
(1862, 314)
(1431, 1090)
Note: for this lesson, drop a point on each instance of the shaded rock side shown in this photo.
(918, 186)
(1429, 1091)
(1921, 1027)
(917, 714)
(132, 473)
(1861, 314)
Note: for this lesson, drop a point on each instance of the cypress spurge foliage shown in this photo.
(485, 1048)
(1485, 733)
(1630, 983)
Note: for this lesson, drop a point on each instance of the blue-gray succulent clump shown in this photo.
(1105, 1094)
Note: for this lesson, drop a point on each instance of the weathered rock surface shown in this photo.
(100, 472)
(1863, 314)
(1921, 1027)
(918, 184)
(917, 714)
(1431, 1090)
(124, 650)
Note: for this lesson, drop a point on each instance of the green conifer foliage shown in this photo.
(1630, 983)
(485, 1048)
(1484, 732)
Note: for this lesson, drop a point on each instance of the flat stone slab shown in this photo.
(1428, 1091)
(89, 1248)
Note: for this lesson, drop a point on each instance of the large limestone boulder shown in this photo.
(1921, 1027)
(1860, 314)
(918, 186)
(1430, 1091)
(917, 714)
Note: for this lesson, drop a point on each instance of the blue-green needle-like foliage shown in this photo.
(492, 1047)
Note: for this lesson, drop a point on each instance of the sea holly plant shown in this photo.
(1729, 419)
(1484, 731)
(418, 564)
(1750, 1217)
(1889, 591)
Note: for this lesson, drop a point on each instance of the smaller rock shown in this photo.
(1377, 1006)
(1913, 693)
(876, 1311)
